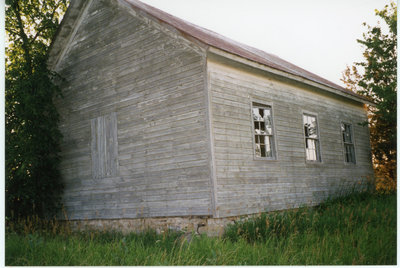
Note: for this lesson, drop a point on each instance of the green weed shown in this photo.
(358, 229)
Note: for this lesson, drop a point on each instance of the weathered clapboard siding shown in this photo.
(157, 120)
(248, 185)
(153, 82)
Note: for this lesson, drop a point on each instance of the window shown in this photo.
(349, 154)
(104, 146)
(311, 136)
(263, 131)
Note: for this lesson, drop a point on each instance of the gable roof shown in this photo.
(209, 38)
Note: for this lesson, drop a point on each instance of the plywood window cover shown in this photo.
(104, 146)
(263, 131)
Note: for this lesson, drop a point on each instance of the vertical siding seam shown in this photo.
(212, 163)
(115, 164)
(94, 156)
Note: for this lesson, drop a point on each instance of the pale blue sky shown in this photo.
(317, 35)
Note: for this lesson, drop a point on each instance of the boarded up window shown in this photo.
(104, 146)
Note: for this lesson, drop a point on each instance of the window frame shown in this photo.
(318, 139)
(263, 105)
(344, 144)
(104, 135)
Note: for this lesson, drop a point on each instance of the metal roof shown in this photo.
(204, 36)
(216, 40)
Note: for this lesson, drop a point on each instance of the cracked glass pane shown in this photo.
(258, 150)
(256, 114)
(263, 131)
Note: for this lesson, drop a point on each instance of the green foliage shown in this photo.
(346, 227)
(333, 216)
(33, 183)
(377, 79)
(359, 229)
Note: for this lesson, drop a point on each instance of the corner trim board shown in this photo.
(71, 37)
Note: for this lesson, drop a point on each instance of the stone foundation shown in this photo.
(209, 226)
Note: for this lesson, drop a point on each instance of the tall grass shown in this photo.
(359, 229)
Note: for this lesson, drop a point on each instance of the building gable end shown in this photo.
(76, 14)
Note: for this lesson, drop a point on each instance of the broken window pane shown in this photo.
(311, 149)
(262, 150)
(311, 137)
(349, 151)
(263, 130)
(262, 139)
(256, 114)
(268, 146)
(258, 150)
(346, 130)
(268, 124)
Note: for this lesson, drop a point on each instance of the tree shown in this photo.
(377, 80)
(33, 184)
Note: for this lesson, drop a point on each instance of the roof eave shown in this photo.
(349, 95)
(66, 30)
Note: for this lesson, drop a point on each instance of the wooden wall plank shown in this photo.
(248, 185)
(133, 118)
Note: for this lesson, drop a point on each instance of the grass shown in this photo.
(358, 229)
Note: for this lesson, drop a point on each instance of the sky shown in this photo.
(317, 35)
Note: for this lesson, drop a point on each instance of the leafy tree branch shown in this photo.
(33, 183)
(376, 78)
